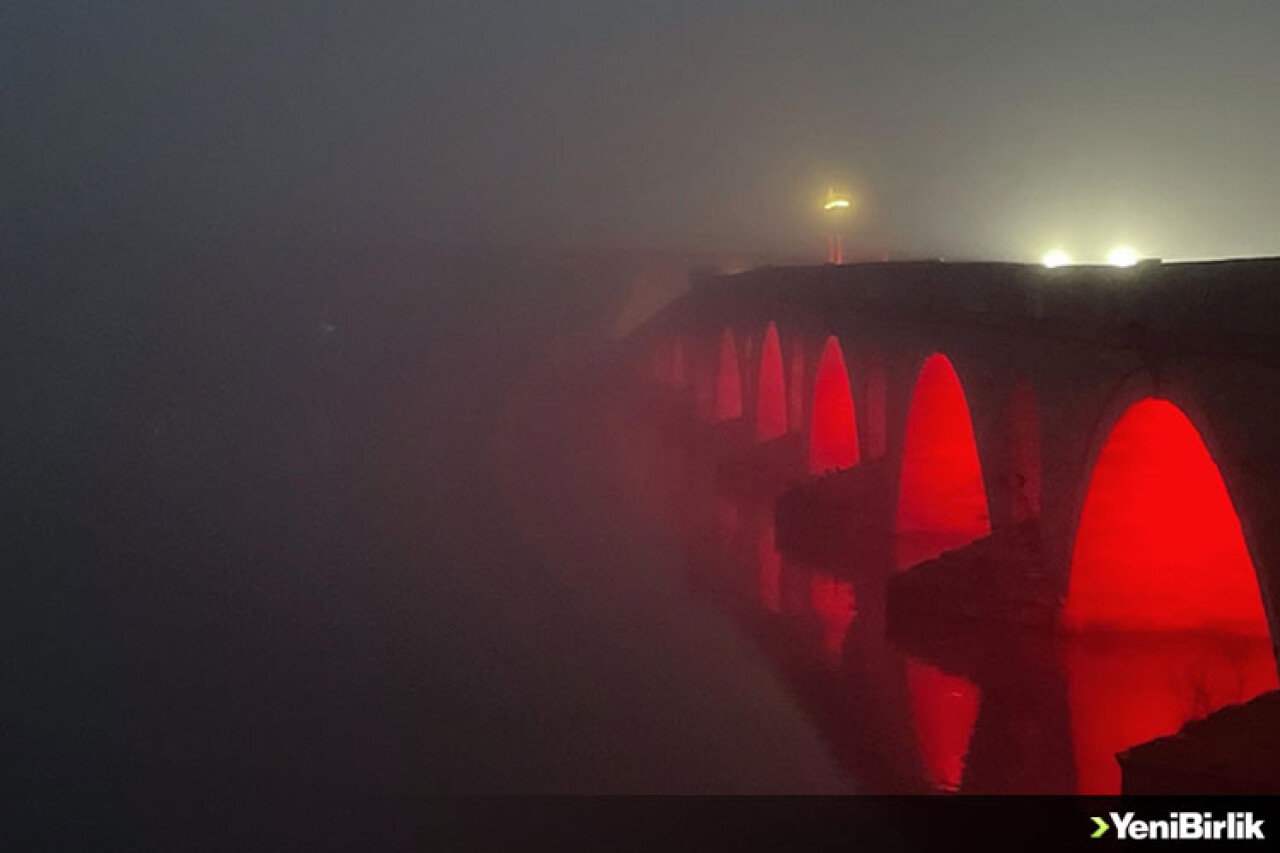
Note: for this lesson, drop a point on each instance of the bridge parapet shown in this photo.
(1225, 307)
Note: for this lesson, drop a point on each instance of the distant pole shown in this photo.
(835, 250)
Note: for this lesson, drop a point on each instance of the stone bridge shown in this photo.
(1122, 421)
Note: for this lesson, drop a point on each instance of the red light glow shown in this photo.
(728, 381)
(942, 501)
(771, 392)
(833, 434)
(835, 606)
(1159, 545)
(944, 708)
(1127, 689)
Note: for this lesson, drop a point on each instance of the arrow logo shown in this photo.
(1102, 828)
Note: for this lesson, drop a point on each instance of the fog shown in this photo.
(989, 129)
(304, 298)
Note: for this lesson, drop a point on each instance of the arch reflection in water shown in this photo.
(835, 605)
(944, 708)
(1127, 689)
(942, 501)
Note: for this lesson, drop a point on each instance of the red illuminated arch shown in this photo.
(1164, 592)
(771, 392)
(1159, 545)
(833, 432)
(795, 386)
(728, 400)
(942, 501)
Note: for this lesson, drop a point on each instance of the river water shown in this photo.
(961, 708)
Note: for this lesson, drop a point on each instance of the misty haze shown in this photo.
(407, 399)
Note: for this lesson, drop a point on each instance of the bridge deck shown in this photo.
(1223, 308)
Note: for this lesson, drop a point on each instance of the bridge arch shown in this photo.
(1164, 600)
(771, 390)
(833, 428)
(728, 391)
(942, 498)
(1158, 543)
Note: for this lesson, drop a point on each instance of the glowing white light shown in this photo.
(1055, 258)
(836, 203)
(1122, 256)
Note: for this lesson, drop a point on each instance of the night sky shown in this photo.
(967, 129)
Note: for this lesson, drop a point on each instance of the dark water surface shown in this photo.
(928, 705)
(298, 530)
(325, 534)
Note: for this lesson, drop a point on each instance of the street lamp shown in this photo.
(835, 207)
(1122, 256)
(1055, 258)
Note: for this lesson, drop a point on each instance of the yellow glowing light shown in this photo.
(1122, 256)
(837, 200)
(1055, 258)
